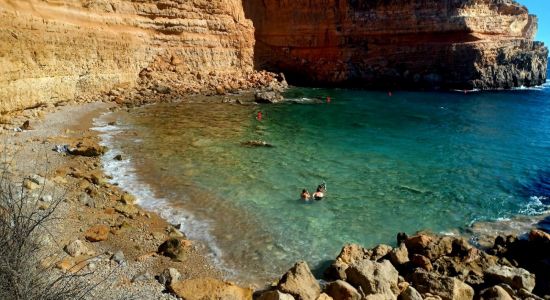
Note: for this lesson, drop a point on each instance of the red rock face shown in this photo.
(460, 44)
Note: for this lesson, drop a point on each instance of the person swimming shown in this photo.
(319, 194)
(305, 195)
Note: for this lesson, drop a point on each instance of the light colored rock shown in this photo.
(495, 293)
(275, 295)
(517, 278)
(324, 296)
(143, 276)
(410, 293)
(127, 199)
(118, 257)
(341, 290)
(77, 248)
(374, 277)
(209, 289)
(399, 255)
(300, 283)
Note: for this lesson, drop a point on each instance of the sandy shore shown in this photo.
(90, 200)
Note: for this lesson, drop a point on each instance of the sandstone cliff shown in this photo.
(460, 44)
(58, 50)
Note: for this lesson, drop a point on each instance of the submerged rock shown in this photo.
(257, 143)
(268, 97)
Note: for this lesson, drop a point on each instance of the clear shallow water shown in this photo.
(408, 162)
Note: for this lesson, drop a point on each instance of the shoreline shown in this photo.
(54, 129)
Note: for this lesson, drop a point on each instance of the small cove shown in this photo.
(412, 161)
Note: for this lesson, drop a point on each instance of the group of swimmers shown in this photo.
(318, 195)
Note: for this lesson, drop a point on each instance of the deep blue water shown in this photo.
(405, 162)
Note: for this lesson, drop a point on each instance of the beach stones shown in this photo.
(399, 255)
(300, 283)
(168, 276)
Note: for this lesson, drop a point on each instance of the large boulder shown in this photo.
(341, 290)
(374, 278)
(447, 288)
(300, 283)
(495, 293)
(209, 289)
(418, 243)
(517, 278)
(410, 293)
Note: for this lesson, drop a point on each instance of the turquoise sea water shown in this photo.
(405, 162)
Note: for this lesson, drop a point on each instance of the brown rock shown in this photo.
(300, 283)
(88, 148)
(209, 289)
(127, 199)
(341, 290)
(275, 295)
(517, 278)
(421, 261)
(97, 233)
(418, 243)
(447, 288)
(175, 248)
(65, 264)
(537, 235)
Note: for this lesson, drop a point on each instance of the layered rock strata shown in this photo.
(58, 50)
(462, 44)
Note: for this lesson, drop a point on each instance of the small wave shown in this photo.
(535, 206)
(124, 174)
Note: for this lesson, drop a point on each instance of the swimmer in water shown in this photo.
(319, 195)
(305, 195)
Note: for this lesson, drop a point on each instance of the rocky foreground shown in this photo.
(427, 266)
